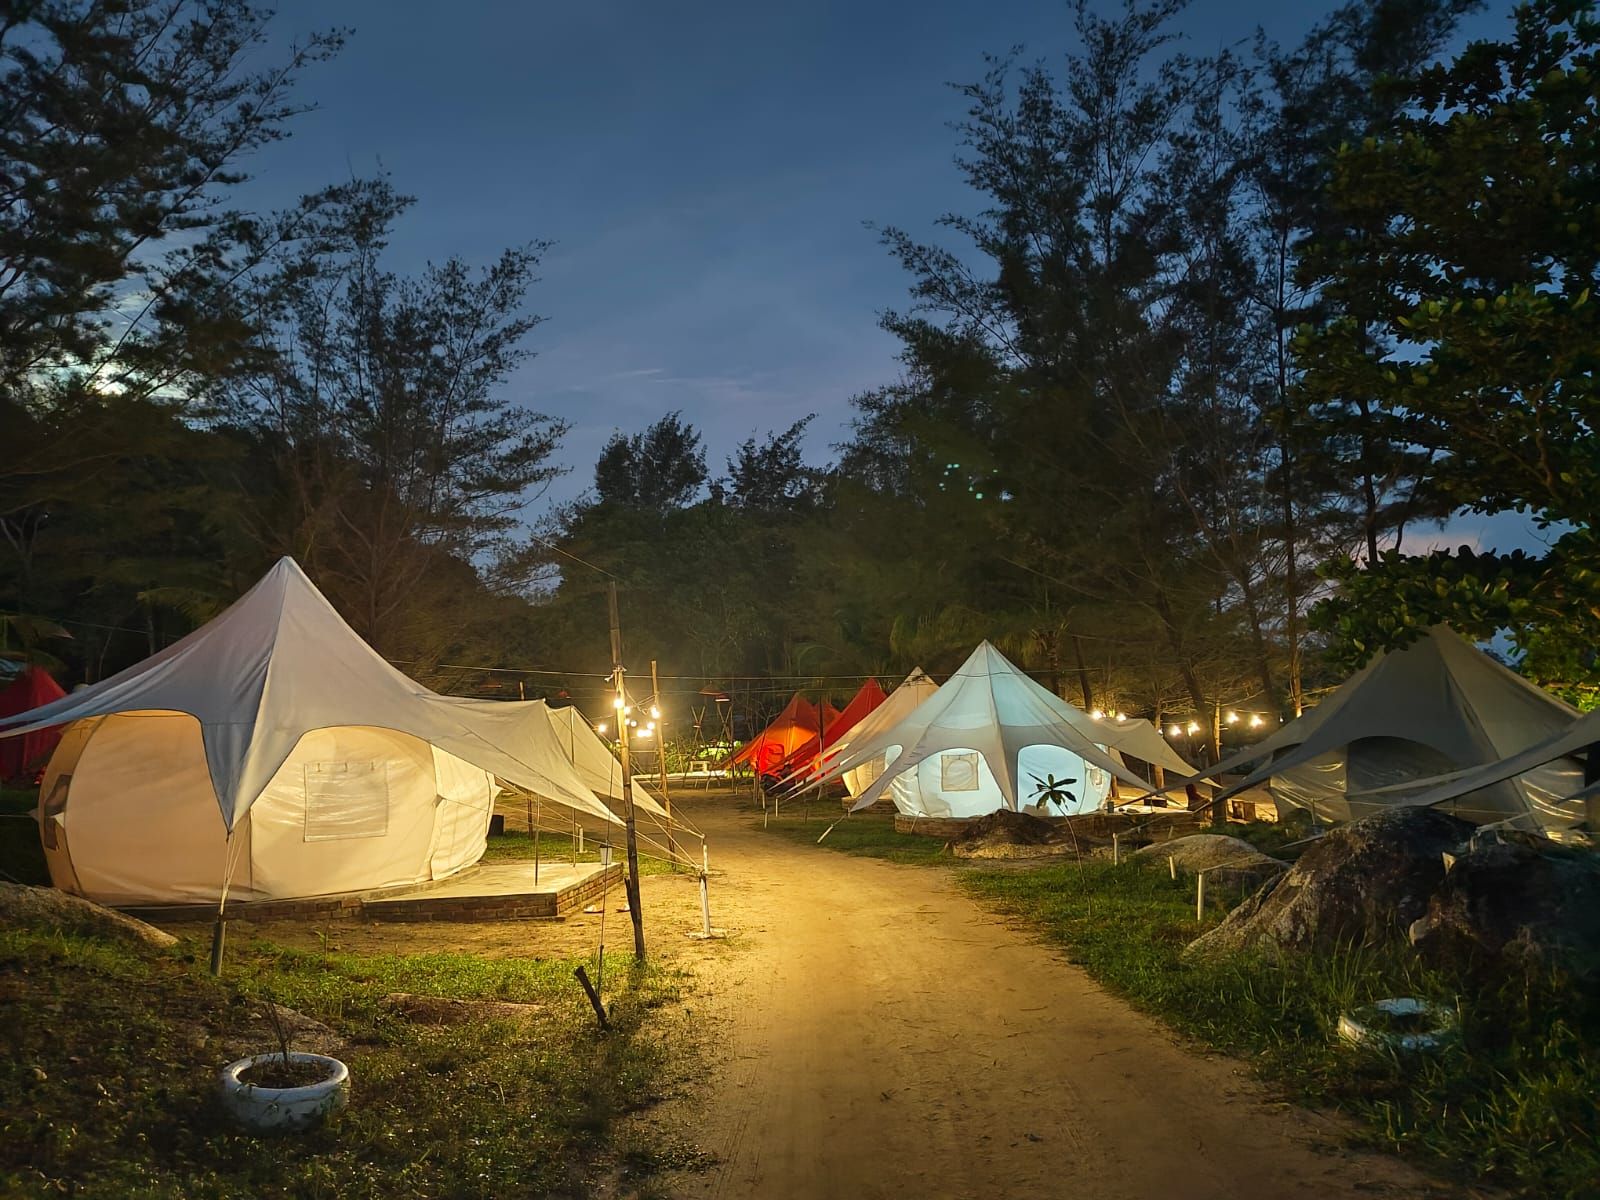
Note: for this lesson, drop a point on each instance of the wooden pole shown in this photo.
(661, 752)
(635, 910)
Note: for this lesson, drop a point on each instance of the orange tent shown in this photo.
(22, 757)
(795, 724)
(804, 755)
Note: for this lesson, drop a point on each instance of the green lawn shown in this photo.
(489, 1109)
(1512, 1105)
(870, 834)
(516, 846)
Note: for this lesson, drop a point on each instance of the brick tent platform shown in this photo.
(500, 891)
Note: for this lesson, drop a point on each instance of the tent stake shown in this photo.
(594, 997)
(1172, 868)
(1116, 849)
(1200, 896)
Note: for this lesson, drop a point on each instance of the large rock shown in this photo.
(1228, 861)
(1365, 882)
(27, 907)
(1514, 900)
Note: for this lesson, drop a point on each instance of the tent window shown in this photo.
(958, 772)
(50, 812)
(346, 800)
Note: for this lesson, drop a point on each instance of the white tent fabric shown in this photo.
(1436, 706)
(596, 765)
(982, 742)
(899, 704)
(278, 704)
(1572, 801)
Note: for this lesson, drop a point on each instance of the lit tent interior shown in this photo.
(1436, 707)
(989, 738)
(330, 770)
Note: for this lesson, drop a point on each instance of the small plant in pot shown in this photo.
(283, 1091)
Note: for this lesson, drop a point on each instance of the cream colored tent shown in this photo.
(1438, 706)
(330, 770)
(990, 738)
(899, 704)
(596, 765)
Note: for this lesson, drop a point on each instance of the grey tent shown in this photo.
(1436, 707)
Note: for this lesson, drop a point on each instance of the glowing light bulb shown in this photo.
(1175, 731)
(600, 728)
(645, 732)
(655, 712)
(1233, 718)
(616, 702)
(1098, 714)
(1256, 722)
(1194, 728)
(1122, 716)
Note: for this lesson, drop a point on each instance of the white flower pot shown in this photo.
(284, 1110)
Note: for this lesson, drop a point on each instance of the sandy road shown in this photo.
(879, 1034)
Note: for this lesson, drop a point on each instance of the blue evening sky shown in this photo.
(704, 170)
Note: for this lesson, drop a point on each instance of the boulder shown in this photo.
(1513, 900)
(1228, 861)
(22, 906)
(1365, 882)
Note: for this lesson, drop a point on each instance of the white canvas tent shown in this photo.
(982, 742)
(1437, 706)
(329, 769)
(1557, 809)
(597, 766)
(900, 703)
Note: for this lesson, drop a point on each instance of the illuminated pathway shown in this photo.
(880, 1035)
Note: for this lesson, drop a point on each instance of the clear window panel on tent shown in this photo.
(346, 800)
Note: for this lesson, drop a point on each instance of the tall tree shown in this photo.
(380, 407)
(1463, 308)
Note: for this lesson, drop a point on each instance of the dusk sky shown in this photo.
(705, 172)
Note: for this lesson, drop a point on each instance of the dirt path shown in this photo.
(881, 1035)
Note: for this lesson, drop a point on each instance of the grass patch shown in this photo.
(108, 1057)
(865, 833)
(21, 856)
(1511, 1104)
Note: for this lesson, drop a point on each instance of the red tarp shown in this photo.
(795, 724)
(804, 755)
(24, 756)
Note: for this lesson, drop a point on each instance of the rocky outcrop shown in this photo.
(1512, 900)
(1364, 883)
(22, 906)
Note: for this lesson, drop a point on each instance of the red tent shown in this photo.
(805, 754)
(22, 757)
(797, 722)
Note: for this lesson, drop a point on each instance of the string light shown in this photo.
(1098, 714)
(1233, 718)
(1122, 716)
(655, 712)
(646, 731)
(1255, 721)
(616, 702)
(1194, 728)
(1175, 731)
(600, 728)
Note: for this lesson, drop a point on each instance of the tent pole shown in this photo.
(661, 754)
(635, 908)
(219, 931)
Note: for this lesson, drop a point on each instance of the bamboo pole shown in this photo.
(635, 909)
